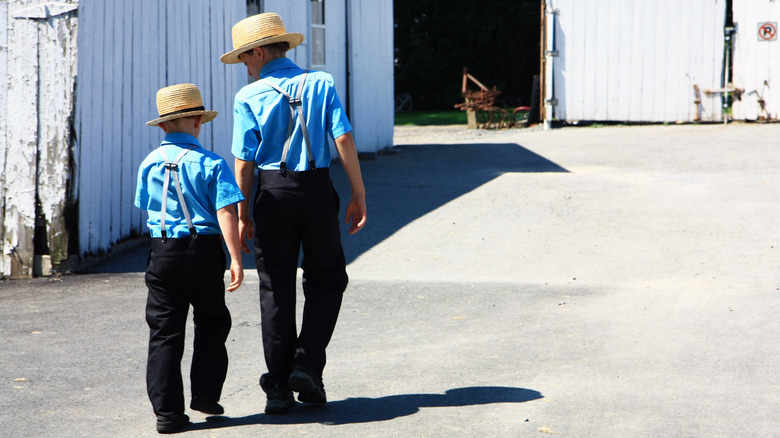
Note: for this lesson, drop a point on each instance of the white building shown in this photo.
(658, 60)
(81, 78)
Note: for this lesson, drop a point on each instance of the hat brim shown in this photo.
(207, 117)
(293, 39)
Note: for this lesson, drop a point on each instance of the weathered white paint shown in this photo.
(5, 265)
(57, 36)
(46, 10)
(38, 63)
(637, 61)
(127, 52)
(756, 62)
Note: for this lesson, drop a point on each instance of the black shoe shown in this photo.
(172, 423)
(206, 406)
(280, 401)
(309, 388)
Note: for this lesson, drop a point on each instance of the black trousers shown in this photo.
(294, 211)
(181, 272)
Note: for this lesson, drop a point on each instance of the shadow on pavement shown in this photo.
(401, 186)
(364, 410)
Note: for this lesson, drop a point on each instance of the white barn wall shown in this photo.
(371, 73)
(637, 61)
(104, 61)
(756, 63)
(336, 45)
(127, 54)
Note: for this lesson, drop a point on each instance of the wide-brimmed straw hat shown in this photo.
(259, 30)
(180, 100)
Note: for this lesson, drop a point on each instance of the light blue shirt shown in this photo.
(206, 183)
(261, 115)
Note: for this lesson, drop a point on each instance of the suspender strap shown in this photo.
(174, 166)
(296, 105)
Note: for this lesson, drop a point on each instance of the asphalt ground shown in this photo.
(579, 282)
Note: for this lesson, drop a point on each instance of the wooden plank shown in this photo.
(91, 164)
(674, 75)
(136, 121)
(5, 261)
(22, 122)
(173, 45)
(372, 102)
(122, 102)
(620, 99)
(57, 43)
(113, 160)
(217, 80)
(82, 124)
(335, 44)
(637, 70)
(106, 214)
(201, 36)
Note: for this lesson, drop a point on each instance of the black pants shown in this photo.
(294, 211)
(181, 272)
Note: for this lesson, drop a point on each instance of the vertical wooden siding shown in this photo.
(127, 51)
(38, 58)
(371, 82)
(637, 61)
(756, 63)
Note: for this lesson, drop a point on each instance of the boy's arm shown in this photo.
(356, 208)
(245, 175)
(228, 223)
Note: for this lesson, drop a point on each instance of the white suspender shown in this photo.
(295, 105)
(174, 165)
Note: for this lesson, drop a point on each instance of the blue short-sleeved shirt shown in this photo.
(261, 115)
(207, 184)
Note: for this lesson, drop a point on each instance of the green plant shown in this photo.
(429, 118)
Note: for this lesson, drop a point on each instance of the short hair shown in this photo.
(278, 49)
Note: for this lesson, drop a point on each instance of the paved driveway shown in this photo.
(584, 282)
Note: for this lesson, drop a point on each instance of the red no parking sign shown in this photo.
(767, 31)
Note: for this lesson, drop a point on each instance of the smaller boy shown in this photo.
(190, 196)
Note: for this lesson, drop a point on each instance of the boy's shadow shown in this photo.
(364, 410)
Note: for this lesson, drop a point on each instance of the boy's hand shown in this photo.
(245, 232)
(356, 210)
(236, 275)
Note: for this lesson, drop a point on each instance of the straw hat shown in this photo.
(259, 30)
(180, 100)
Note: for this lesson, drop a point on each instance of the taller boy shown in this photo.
(280, 126)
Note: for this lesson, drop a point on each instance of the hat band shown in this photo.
(185, 110)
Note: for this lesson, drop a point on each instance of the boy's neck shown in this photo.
(191, 132)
